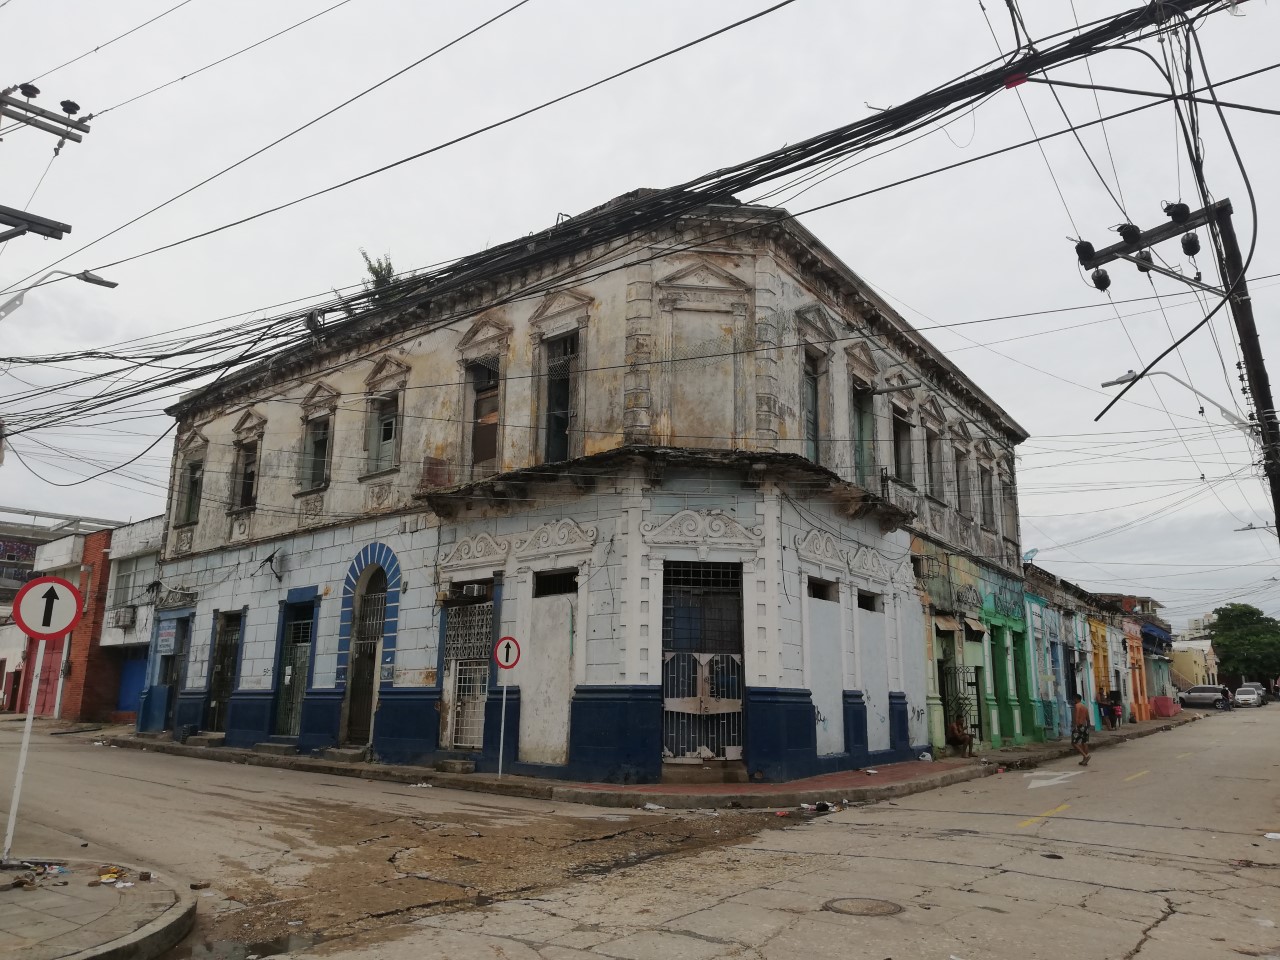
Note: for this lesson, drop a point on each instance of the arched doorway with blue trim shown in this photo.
(367, 638)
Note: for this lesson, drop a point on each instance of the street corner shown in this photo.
(51, 909)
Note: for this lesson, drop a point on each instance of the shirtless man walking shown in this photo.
(1080, 729)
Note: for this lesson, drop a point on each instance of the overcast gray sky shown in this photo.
(983, 241)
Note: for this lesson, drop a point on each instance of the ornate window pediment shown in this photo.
(487, 335)
(699, 528)
(557, 537)
(703, 274)
(862, 362)
(932, 410)
(903, 398)
(251, 425)
(814, 324)
(481, 550)
(960, 431)
(561, 312)
(319, 398)
(193, 444)
(985, 450)
(387, 374)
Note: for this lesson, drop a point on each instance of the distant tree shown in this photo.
(381, 275)
(1246, 642)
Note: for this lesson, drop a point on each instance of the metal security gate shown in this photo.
(295, 659)
(366, 634)
(702, 682)
(468, 645)
(960, 696)
(222, 671)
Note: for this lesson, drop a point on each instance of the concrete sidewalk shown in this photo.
(855, 786)
(62, 909)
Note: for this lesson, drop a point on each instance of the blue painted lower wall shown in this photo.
(406, 726)
(249, 717)
(154, 708)
(855, 729)
(615, 734)
(321, 720)
(780, 735)
(189, 712)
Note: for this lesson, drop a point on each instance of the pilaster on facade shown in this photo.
(638, 379)
(768, 292)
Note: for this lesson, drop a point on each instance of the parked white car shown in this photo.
(1248, 697)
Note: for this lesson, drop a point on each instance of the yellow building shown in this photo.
(1194, 666)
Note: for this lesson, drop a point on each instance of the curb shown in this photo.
(153, 938)
(605, 796)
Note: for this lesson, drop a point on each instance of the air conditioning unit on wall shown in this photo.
(122, 617)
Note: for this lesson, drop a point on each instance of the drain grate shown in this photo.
(863, 907)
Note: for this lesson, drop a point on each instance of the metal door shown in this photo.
(365, 638)
(222, 671)
(295, 659)
(960, 686)
(702, 681)
(468, 646)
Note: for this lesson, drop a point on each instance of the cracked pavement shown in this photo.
(1155, 850)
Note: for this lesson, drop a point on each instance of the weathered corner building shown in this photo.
(685, 468)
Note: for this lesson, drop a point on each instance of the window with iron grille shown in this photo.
(964, 495)
(933, 464)
(551, 583)
(702, 607)
(987, 489)
(561, 393)
(863, 420)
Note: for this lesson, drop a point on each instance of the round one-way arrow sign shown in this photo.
(47, 608)
(506, 653)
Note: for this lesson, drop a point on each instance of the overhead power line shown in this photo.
(103, 46)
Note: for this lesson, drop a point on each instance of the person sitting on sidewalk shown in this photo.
(1080, 729)
(958, 736)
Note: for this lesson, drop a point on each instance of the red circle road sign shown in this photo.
(47, 608)
(506, 652)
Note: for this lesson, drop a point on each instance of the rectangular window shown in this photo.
(192, 486)
(862, 419)
(561, 393)
(245, 493)
(809, 403)
(132, 576)
(901, 447)
(823, 590)
(484, 418)
(315, 453)
(1009, 507)
(987, 490)
(964, 500)
(383, 433)
(554, 583)
(872, 602)
(933, 464)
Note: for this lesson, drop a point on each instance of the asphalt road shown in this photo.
(1156, 850)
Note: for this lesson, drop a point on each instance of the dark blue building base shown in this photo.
(321, 723)
(249, 716)
(188, 715)
(615, 734)
(406, 728)
(154, 709)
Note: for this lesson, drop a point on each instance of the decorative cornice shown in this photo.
(480, 550)
(822, 547)
(556, 537)
(693, 528)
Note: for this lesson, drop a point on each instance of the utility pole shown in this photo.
(65, 127)
(1135, 247)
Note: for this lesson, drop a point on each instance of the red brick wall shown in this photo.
(90, 688)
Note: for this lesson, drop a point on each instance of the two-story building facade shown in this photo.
(684, 467)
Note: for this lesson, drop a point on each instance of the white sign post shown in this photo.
(45, 609)
(506, 654)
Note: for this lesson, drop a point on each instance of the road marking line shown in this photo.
(1182, 756)
(1140, 773)
(1047, 813)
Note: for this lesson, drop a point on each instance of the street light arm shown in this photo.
(14, 302)
(1227, 414)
